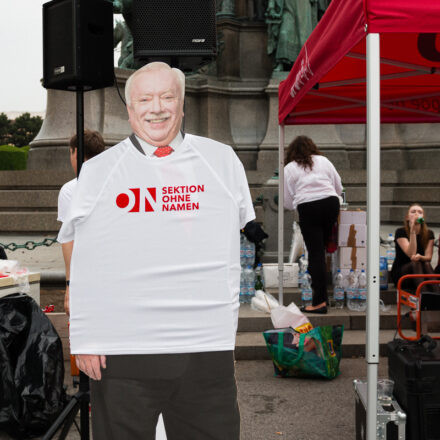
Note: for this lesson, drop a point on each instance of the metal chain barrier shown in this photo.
(29, 245)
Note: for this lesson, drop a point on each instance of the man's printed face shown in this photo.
(156, 107)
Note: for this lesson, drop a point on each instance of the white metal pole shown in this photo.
(373, 222)
(281, 214)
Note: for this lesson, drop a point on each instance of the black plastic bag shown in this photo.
(31, 368)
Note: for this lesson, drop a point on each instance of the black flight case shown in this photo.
(414, 366)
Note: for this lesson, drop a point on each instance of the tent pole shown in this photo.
(281, 214)
(373, 222)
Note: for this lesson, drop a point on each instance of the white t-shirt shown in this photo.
(155, 267)
(64, 199)
(305, 185)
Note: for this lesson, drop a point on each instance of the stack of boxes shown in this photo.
(352, 241)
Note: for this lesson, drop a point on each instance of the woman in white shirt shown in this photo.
(312, 186)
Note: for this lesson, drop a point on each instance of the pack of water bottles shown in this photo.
(390, 251)
(247, 276)
(353, 286)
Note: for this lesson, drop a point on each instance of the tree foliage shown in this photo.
(20, 131)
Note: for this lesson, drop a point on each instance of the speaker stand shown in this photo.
(81, 400)
(79, 129)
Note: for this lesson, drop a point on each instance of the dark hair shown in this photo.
(301, 150)
(424, 233)
(93, 143)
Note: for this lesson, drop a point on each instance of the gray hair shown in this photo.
(150, 67)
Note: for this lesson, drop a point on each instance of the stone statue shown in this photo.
(290, 22)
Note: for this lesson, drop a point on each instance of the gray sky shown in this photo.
(21, 56)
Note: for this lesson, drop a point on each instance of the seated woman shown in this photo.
(414, 247)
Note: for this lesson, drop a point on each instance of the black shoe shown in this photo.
(321, 310)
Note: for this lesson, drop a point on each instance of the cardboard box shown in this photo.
(353, 235)
(290, 275)
(352, 258)
(352, 217)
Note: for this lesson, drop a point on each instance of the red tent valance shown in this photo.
(327, 84)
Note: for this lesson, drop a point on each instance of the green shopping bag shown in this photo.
(313, 354)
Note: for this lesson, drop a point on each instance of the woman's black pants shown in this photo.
(316, 220)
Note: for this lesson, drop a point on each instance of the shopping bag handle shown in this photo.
(300, 348)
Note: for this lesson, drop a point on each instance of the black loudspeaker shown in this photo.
(180, 32)
(77, 44)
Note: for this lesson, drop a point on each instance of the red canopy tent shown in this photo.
(327, 83)
(367, 61)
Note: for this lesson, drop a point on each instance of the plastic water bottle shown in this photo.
(249, 252)
(352, 290)
(391, 251)
(259, 277)
(383, 273)
(302, 268)
(338, 290)
(306, 289)
(243, 289)
(242, 251)
(362, 291)
(249, 279)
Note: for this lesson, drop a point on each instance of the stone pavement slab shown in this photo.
(291, 409)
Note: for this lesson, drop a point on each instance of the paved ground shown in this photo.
(290, 409)
(271, 408)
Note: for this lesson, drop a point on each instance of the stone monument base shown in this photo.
(104, 111)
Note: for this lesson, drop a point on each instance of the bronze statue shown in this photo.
(290, 23)
(122, 33)
(225, 8)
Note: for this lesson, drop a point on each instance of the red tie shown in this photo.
(163, 151)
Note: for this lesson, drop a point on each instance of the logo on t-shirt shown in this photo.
(173, 198)
(149, 197)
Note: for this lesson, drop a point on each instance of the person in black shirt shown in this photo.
(414, 246)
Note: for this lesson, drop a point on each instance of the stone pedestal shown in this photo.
(403, 146)
(103, 111)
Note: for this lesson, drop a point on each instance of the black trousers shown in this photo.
(196, 394)
(316, 220)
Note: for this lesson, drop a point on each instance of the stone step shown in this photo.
(396, 194)
(252, 346)
(47, 179)
(30, 221)
(28, 199)
(422, 177)
(254, 321)
(391, 213)
(293, 294)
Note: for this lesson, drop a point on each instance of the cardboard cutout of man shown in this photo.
(155, 327)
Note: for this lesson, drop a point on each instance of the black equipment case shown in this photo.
(414, 366)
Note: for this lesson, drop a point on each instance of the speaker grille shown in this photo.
(77, 44)
(60, 61)
(174, 28)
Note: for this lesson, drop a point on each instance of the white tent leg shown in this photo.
(281, 214)
(373, 222)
